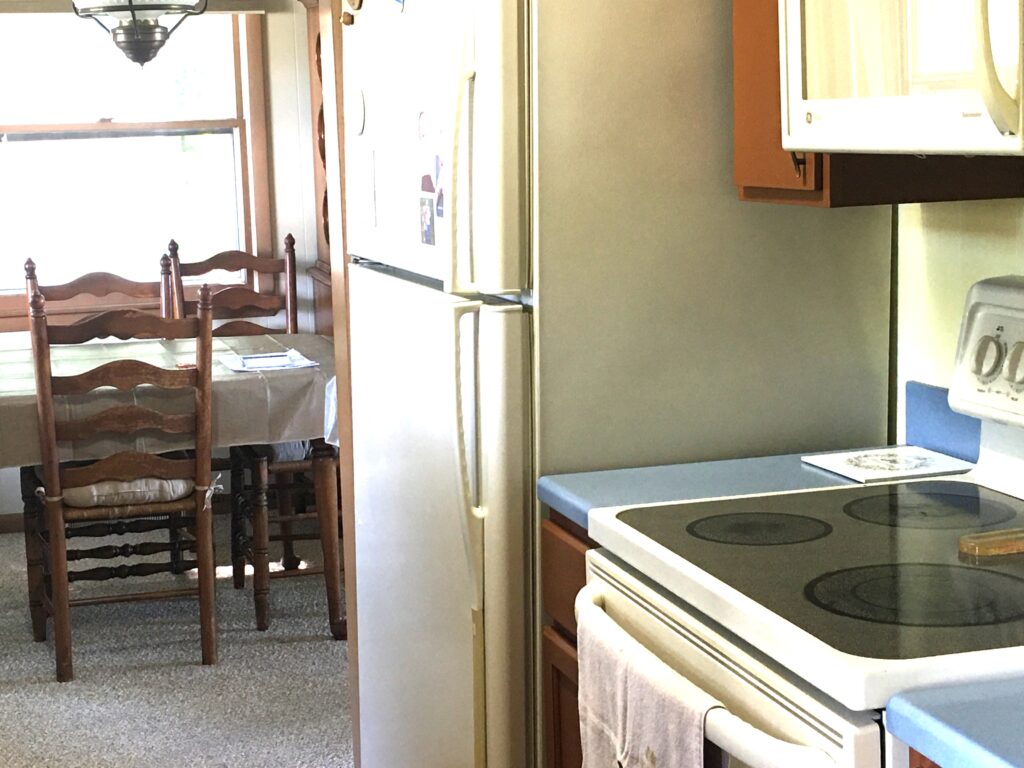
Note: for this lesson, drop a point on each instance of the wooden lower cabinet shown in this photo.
(563, 574)
(917, 760)
(561, 710)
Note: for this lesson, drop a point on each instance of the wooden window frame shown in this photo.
(250, 130)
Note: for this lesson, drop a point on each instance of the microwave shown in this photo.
(902, 76)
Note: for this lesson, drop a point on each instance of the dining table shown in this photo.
(257, 406)
(261, 406)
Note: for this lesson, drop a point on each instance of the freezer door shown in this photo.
(433, 146)
(440, 526)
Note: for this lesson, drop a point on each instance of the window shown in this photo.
(102, 162)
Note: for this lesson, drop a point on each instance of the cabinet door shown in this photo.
(564, 573)
(759, 159)
(561, 709)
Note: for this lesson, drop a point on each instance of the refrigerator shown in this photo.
(551, 273)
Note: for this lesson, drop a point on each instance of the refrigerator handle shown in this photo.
(457, 286)
(469, 513)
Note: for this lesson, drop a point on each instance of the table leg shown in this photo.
(260, 547)
(326, 483)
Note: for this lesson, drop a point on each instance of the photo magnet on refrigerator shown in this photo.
(426, 221)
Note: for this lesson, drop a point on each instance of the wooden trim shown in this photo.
(331, 61)
(258, 147)
(12, 523)
(318, 273)
(164, 128)
(242, 156)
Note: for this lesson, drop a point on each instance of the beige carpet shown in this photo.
(140, 698)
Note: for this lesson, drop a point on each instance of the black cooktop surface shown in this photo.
(871, 570)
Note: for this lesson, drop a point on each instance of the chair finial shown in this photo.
(165, 265)
(37, 305)
(289, 243)
(172, 248)
(205, 298)
(30, 269)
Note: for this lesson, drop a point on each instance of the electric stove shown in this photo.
(862, 591)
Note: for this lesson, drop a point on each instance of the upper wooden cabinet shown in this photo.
(763, 171)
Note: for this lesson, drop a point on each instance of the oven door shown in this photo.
(769, 720)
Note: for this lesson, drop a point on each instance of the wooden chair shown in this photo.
(65, 304)
(237, 308)
(236, 303)
(126, 487)
(83, 297)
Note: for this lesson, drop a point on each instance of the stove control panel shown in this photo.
(988, 379)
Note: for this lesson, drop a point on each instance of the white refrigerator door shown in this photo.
(433, 151)
(440, 525)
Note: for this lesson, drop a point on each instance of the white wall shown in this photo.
(943, 249)
(674, 322)
(291, 140)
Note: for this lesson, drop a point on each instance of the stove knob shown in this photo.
(988, 357)
(1014, 371)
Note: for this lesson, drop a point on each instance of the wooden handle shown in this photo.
(1009, 541)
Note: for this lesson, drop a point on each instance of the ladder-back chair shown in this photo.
(125, 486)
(244, 311)
(65, 302)
(80, 298)
(235, 304)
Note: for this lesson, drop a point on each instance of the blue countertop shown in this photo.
(574, 495)
(930, 424)
(976, 725)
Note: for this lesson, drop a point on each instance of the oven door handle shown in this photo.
(735, 736)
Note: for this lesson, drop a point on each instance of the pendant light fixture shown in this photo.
(137, 31)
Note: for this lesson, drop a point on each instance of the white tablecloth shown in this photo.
(258, 407)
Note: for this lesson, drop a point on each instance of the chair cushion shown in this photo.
(112, 493)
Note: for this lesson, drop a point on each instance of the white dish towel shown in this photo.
(635, 710)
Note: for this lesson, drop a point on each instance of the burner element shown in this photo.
(920, 595)
(906, 507)
(759, 529)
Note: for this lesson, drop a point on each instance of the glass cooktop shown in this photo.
(870, 570)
